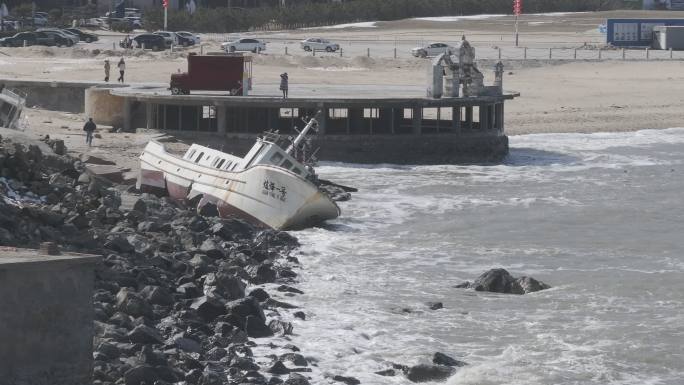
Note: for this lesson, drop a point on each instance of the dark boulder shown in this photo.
(300, 314)
(386, 373)
(501, 281)
(140, 375)
(443, 359)
(280, 328)
(435, 305)
(278, 368)
(424, 373)
(132, 304)
(260, 294)
(296, 359)
(143, 334)
(156, 295)
(208, 308)
(346, 380)
(256, 328)
(296, 379)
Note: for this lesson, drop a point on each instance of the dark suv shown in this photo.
(28, 38)
(147, 40)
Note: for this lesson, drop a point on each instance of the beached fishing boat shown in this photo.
(274, 185)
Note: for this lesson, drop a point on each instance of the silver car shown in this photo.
(245, 44)
(318, 44)
(432, 49)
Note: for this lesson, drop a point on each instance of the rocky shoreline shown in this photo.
(171, 302)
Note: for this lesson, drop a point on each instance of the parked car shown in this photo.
(31, 38)
(83, 36)
(40, 19)
(60, 37)
(169, 37)
(134, 21)
(318, 44)
(245, 44)
(64, 33)
(189, 35)
(432, 49)
(184, 40)
(147, 40)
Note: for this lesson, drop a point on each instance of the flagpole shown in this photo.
(166, 12)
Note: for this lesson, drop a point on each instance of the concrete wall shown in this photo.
(46, 319)
(395, 149)
(55, 96)
(103, 107)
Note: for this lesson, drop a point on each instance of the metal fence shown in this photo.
(402, 49)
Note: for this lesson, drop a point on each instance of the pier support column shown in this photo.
(149, 116)
(484, 117)
(221, 114)
(417, 122)
(456, 119)
(322, 119)
(127, 115)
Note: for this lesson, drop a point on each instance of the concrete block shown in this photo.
(46, 318)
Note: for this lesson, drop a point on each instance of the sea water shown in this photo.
(600, 217)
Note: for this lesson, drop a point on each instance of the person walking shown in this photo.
(284, 84)
(122, 69)
(106, 69)
(89, 128)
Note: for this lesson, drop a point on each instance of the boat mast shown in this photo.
(301, 136)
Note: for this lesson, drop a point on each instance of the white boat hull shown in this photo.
(264, 195)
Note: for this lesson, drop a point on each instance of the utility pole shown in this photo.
(517, 10)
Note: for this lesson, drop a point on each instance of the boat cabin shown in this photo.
(264, 151)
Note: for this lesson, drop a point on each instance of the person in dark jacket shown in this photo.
(284, 84)
(106, 69)
(122, 69)
(89, 128)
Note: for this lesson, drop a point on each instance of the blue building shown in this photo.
(635, 32)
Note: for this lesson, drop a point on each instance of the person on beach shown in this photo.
(122, 69)
(106, 69)
(284, 84)
(89, 128)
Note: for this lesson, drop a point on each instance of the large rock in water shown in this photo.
(501, 281)
(424, 373)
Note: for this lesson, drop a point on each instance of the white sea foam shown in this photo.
(555, 211)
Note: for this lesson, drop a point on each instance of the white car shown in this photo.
(246, 44)
(432, 49)
(170, 37)
(189, 35)
(318, 44)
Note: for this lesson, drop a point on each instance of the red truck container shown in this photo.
(220, 72)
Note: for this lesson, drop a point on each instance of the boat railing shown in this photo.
(18, 95)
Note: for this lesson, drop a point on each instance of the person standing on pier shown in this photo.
(284, 84)
(106, 69)
(89, 128)
(122, 69)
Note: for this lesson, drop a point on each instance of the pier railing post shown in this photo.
(368, 52)
(525, 53)
(670, 52)
(623, 54)
(600, 52)
(499, 53)
(550, 53)
(575, 54)
(647, 53)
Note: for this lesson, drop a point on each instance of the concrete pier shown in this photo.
(46, 318)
